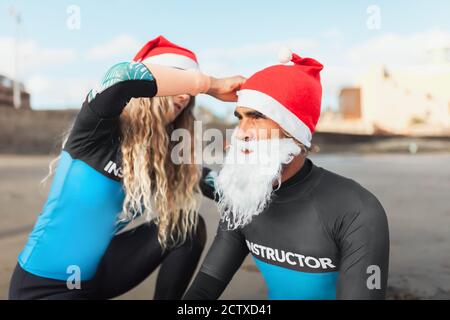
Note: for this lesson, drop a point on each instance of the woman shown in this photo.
(115, 165)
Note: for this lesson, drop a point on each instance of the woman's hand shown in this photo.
(225, 88)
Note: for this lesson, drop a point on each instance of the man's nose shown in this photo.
(245, 132)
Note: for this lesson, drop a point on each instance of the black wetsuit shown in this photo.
(323, 236)
(75, 234)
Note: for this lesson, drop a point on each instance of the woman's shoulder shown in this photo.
(120, 72)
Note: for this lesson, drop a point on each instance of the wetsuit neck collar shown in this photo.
(299, 184)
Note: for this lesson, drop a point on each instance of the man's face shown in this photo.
(253, 125)
(254, 162)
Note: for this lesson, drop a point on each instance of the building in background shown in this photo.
(407, 101)
(7, 94)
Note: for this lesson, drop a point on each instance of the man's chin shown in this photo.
(245, 183)
(240, 202)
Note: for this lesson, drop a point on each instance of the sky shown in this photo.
(61, 57)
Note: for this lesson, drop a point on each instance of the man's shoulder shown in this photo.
(337, 196)
(332, 183)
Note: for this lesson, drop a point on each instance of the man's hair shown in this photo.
(304, 148)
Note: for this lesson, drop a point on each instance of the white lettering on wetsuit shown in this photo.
(112, 168)
(291, 258)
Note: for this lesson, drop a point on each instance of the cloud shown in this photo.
(242, 59)
(58, 92)
(48, 90)
(32, 56)
(262, 49)
(35, 62)
(38, 84)
(344, 60)
(399, 50)
(345, 64)
(122, 45)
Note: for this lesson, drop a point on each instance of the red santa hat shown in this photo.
(162, 51)
(288, 94)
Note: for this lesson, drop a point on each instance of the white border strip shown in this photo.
(173, 60)
(277, 112)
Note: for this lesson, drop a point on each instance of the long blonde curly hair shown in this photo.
(154, 185)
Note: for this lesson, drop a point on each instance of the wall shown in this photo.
(31, 132)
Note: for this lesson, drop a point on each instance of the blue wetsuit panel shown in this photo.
(76, 224)
(288, 284)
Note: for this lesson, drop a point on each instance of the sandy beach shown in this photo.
(413, 189)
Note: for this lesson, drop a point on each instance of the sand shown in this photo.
(414, 190)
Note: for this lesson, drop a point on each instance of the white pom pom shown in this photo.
(284, 55)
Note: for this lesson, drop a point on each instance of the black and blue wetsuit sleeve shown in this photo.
(363, 241)
(224, 258)
(98, 120)
(207, 183)
(122, 82)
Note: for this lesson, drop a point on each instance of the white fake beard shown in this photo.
(245, 184)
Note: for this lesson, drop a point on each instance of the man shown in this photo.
(312, 233)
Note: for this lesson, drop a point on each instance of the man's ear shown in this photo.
(305, 150)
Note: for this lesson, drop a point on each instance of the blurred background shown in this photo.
(385, 114)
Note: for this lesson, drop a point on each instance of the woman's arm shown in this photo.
(127, 80)
(172, 81)
(122, 82)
